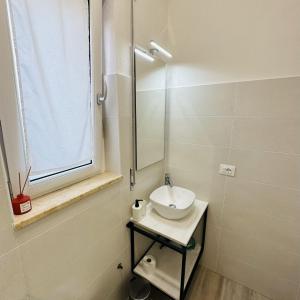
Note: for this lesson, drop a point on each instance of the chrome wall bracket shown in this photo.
(101, 97)
(132, 179)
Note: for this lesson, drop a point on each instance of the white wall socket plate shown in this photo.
(227, 170)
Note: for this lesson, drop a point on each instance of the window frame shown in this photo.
(11, 114)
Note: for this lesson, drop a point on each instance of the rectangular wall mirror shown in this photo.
(149, 80)
(150, 96)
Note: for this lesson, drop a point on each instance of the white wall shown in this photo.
(151, 21)
(220, 111)
(223, 41)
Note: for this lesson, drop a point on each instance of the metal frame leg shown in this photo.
(204, 231)
(199, 255)
(132, 247)
(183, 265)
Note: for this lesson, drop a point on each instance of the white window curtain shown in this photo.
(51, 39)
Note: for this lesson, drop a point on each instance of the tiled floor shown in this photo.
(208, 285)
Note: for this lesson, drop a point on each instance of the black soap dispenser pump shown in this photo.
(137, 202)
(137, 210)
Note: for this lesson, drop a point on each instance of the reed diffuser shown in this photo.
(22, 203)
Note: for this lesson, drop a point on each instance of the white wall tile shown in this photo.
(260, 280)
(124, 95)
(6, 210)
(267, 167)
(298, 293)
(7, 240)
(78, 249)
(267, 199)
(267, 134)
(112, 144)
(104, 285)
(212, 244)
(280, 233)
(205, 100)
(12, 282)
(274, 97)
(197, 159)
(110, 105)
(2, 172)
(61, 216)
(209, 131)
(260, 253)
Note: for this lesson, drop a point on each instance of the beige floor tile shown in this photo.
(208, 285)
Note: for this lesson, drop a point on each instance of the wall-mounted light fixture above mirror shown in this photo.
(143, 54)
(155, 48)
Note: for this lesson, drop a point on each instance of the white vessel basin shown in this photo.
(172, 202)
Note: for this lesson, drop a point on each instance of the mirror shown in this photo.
(149, 24)
(150, 111)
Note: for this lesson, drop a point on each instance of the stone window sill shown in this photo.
(55, 201)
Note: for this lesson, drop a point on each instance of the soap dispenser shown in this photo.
(137, 210)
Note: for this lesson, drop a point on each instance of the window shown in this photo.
(56, 51)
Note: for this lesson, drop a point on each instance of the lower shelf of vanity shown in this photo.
(166, 275)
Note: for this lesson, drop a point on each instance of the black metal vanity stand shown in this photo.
(183, 250)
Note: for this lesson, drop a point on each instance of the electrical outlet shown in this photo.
(227, 170)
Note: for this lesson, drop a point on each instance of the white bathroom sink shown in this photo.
(172, 202)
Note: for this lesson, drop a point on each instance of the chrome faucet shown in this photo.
(168, 180)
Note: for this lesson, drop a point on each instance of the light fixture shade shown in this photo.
(144, 54)
(161, 49)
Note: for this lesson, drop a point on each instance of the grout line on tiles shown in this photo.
(219, 243)
(225, 185)
(274, 275)
(275, 117)
(118, 74)
(276, 218)
(265, 151)
(226, 179)
(254, 237)
(102, 273)
(174, 142)
(235, 82)
(285, 219)
(8, 252)
(198, 145)
(59, 223)
(270, 185)
(224, 197)
(235, 148)
(22, 243)
(23, 272)
(200, 116)
(242, 180)
(272, 216)
(298, 294)
(235, 100)
(239, 283)
(178, 114)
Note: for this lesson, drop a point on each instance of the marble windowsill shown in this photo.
(55, 201)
